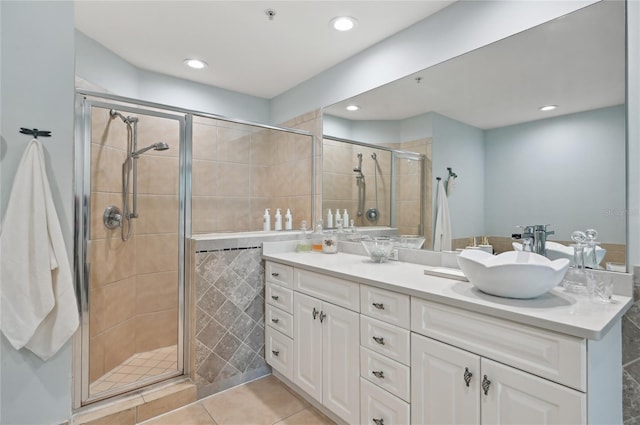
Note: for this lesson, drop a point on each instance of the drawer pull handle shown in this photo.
(467, 376)
(485, 385)
(379, 340)
(275, 352)
(379, 306)
(275, 274)
(378, 421)
(322, 316)
(314, 313)
(275, 297)
(277, 320)
(378, 374)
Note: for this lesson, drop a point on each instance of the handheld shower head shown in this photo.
(160, 146)
(126, 120)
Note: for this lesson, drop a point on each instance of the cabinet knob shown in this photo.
(275, 352)
(467, 376)
(485, 385)
(378, 421)
(314, 313)
(378, 374)
(277, 320)
(379, 306)
(275, 297)
(275, 274)
(379, 340)
(322, 316)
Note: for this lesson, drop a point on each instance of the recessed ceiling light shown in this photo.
(548, 108)
(352, 108)
(343, 23)
(195, 63)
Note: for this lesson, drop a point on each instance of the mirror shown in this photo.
(517, 165)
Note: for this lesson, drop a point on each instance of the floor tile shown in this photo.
(194, 414)
(261, 402)
(308, 416)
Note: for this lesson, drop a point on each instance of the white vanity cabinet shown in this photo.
(453, 386)
(325, 357)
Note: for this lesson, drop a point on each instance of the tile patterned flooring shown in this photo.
(136, 368)
(265, 401)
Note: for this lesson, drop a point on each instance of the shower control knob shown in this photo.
(112, 217)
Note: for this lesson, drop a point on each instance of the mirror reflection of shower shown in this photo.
(361, 185)
(373, 213)
(113, 216)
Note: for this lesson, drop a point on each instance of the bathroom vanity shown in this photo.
(386, 344)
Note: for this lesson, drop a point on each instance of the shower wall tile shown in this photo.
(204, 178)
(260, 148)
(156, 129)
(233, 179)
(119, 304)
(96, 357)
(234, 145)
(230, 317)
(106, 168)
(157, 175)
(156, 292)
(119, 344)
(111, 260)
(233, 214)
(157, 214)
(106, 131)
(98, 203)
(261, 181)
(203, 214)
(155, 330)
(156, 253)
(205, 141)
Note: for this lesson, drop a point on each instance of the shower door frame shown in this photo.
(83, 104)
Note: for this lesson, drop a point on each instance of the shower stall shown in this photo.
(148, 177)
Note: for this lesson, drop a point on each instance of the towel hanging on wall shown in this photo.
(442, 232)
(38, 308)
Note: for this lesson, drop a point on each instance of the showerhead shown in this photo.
(160, 146)
(126, 120)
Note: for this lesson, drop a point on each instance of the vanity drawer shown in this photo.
(280, 297)
(379, 407)
(279, 320)
(388, 306)
(279, 273)
(385, 339)
(327, 288)
(557, 357)
(386, 373)
(278, 350)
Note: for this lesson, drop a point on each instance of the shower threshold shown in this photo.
(136, 368)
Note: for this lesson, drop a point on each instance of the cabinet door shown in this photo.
(307, 329)
(341, 361)
(439, 391)
(516, 397)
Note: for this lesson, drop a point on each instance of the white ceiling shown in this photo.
(246, 52)
(576, 62)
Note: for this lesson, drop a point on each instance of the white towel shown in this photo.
(442, 232)
(38, 304)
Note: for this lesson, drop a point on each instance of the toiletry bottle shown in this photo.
(278, 222)
(266, 220)
(337, 216)
(345, 218)
(288, 221)
(316, 238)
(304, 243)
(329, 219)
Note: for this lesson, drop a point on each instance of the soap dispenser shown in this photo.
(266, 220)
(288, 225)
(278, 222)
(329, 219)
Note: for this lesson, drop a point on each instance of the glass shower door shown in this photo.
(132, 237)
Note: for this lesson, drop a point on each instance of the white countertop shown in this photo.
(560, 311)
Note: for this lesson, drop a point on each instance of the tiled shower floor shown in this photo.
(138, 367)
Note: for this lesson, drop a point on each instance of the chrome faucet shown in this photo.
(534, 238)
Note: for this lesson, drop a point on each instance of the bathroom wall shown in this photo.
(239, 170)
(36, 71)
(133, 284)
(549, 171)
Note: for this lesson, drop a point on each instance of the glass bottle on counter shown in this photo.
(304, 243)
(316, 238)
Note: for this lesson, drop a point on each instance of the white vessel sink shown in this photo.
(556, 250)
(512, 274)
